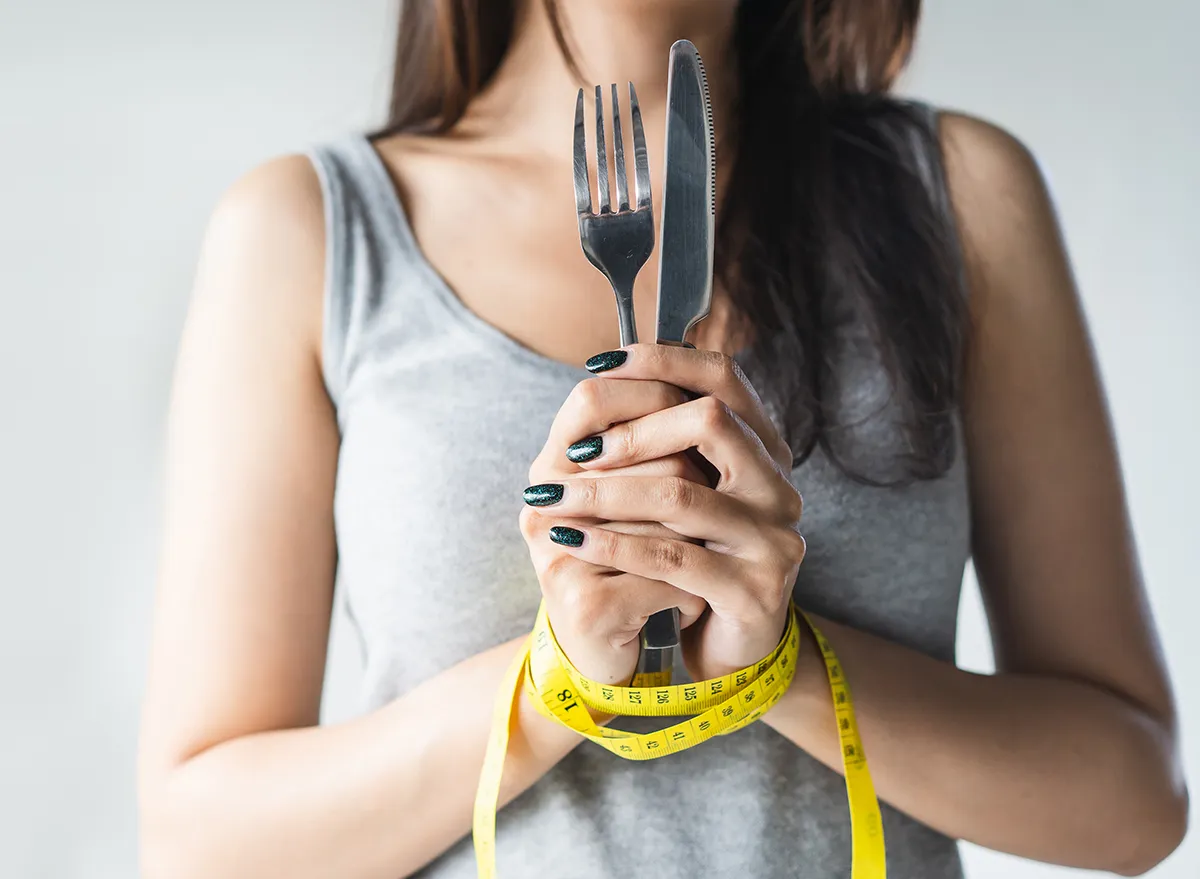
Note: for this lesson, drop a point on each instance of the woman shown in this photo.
(382, 335)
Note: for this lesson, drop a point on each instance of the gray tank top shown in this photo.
(429, 395)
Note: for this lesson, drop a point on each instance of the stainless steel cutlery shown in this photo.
(618, 243)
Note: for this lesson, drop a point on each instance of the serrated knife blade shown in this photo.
(685, 266)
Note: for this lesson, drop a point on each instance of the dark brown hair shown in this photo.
(835, 201)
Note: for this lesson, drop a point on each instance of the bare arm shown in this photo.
(235, 777)
(1068, 754)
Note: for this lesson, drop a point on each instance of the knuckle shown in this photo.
(546, 467)
(588, 395)
(627, 608)
(668, 556)
(625, 442)
(543, 468)
(797, 547)
(772, 587)
(676, 493)
(793, 504)
(586, 493)
(655, 357)
(724, 369)
(555, 575)
(530, 522)
(626, 620)
(711, 413)
(691, 606)
(783, 453)
(604, 545)
(715, 362)
(787, 550)
(738, 376)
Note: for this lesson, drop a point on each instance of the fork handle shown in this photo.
(625, 314)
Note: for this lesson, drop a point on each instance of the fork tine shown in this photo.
(619, 154)
(601, 155)
(583, 186)
(641, 159)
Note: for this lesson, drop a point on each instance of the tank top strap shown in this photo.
(369, 248)
(929, 156)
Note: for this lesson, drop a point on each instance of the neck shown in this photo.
(615, 41)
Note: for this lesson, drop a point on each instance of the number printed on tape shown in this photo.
(719, 706)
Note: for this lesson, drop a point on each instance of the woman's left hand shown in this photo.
(747, 565)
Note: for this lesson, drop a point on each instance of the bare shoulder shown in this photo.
(1005, 213)
(279, 197)
(263, 255)
(987, 164)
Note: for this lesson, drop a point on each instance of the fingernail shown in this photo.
(564, 536)
(544, 495)
(606, 361)
(585, 450)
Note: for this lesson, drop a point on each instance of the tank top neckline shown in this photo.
(442, 293)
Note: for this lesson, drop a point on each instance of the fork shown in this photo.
(619, 242)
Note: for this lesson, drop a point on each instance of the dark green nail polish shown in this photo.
(585, 450)
(543, 495)
(564, 536)
(606, 361)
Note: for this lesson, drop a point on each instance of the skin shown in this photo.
(1068, 754)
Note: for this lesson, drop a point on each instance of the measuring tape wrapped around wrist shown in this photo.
(714, 707)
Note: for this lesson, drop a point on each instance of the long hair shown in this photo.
(829, 203)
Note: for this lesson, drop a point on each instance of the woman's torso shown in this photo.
(440, 415)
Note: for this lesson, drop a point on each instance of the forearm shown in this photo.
(379, 796)
(1046, 768)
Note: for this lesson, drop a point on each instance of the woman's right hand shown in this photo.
(597, 613)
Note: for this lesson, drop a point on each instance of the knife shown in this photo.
(685, 268)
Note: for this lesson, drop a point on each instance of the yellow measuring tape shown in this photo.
(714, 707)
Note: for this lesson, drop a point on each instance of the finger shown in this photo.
(720, 580)
(598, 603)
(535, 525)
(645, 529)
(597, 403)
(540, 496)
(707, 373)
(674, 465)
(680, 465)
(600, 596)
(743, 466)
(689, 509)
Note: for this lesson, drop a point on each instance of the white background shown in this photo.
(122, 121)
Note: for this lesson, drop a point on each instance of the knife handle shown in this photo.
(660, 635)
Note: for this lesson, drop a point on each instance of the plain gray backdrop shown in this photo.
(120, 124)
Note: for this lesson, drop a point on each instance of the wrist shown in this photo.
(807, 700)
(546, 740)
(718, 649)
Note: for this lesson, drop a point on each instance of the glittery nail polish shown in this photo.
(605, 361)
(564, 536)
(585, 450)
(544, 495)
